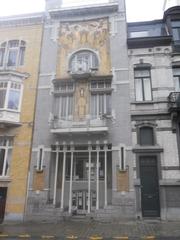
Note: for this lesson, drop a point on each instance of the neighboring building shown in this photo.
(81, 156)
(20, 45)
(154, 58)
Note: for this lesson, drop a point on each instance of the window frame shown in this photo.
(139, 135)
(19, 52)
(63, 90)
(40, 159)
(142, 79)
(176, 76)
(103, 89)
(91, 61)
(7, 154)
(9, 88)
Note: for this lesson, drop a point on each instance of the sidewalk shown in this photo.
(85, 230)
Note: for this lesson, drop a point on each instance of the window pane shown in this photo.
(146, 136)
(13, 99)
(108, 104)
(21, 56)
(176, 34)
(2, 97)
(147, 89)
(2, 56)
(101, 104)
(13, 43)
(177, 83)
(66, 106)
(142, 73)
(2, 154)
(138, 89)
(93, 105)
(12, 58)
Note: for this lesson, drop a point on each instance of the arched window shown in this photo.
(12, 53)
(146, 136)
(83, 61)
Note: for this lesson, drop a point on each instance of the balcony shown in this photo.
(174, 102)
(9, 118)
(87, 125)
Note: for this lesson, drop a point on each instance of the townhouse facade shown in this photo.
(154, 57)
(81, 156)
(89, 122)
(20, 45)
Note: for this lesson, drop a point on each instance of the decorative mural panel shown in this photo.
(93, 35)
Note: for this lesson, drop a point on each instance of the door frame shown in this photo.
(144, 206)
(146, 153)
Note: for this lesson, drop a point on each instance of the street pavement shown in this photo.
(131, 230)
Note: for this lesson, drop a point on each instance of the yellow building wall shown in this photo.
(17, 187)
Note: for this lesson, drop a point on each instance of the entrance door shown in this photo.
(80, 201)
(149, 186)
(3, 193)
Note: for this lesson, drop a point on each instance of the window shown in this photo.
(176, 77)
(122, 158)
(143, 84)
(81, 165)
(146, 136)
(12, 53)
(176, 30)
(100, 98)
(5, 154)
(64, 100)
(40, 159)
(139, 34)
(10, 95)
(83, 61)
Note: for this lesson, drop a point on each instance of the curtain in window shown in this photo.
(12, 57)
(139, 89)
(66, 106)
(147, 89)
(13, 99)
(100, 104)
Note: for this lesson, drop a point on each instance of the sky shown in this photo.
(137, 10)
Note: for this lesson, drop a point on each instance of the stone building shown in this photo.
(101, 97)
(154, 73)
(20, 45)
(81, 155)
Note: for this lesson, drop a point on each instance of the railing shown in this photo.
(85, 125)
(174, 101)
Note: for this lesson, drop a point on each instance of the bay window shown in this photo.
(143, 84)
(10, 95)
